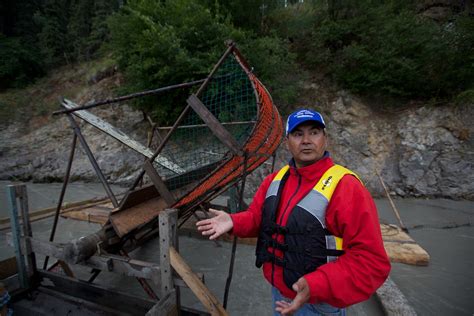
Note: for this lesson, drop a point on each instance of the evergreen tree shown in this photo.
(53, 38)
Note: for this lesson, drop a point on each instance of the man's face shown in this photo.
(307, 143)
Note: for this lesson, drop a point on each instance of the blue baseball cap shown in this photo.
(300, 116)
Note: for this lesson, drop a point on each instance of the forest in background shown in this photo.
(372, 48)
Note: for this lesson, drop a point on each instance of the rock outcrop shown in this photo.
(419, 151)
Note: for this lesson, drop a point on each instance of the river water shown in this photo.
(443, 227)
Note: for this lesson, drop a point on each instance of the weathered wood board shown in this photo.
(127, 220)
(97, 212)
(402, 248)
(121, 136)
(210, 302)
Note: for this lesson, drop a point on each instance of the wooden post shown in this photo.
(167, 227)
(214, 125)
(158, 183)
(16, 236)
(27, 232)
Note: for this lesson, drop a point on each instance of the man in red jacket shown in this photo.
(319, 239)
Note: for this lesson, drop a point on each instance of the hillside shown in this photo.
(421, 151)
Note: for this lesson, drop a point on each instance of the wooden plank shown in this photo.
(402, 248)
(120, 136)
(127, 220)
(16, 236)
(208, 299)
(138, 196)
(167, 226)
(91, 215)
(215, 126)
(158, 183)
(47, 212)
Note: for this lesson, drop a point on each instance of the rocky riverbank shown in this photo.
(420, 151)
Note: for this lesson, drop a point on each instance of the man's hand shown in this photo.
(301, 288)
(219, 224)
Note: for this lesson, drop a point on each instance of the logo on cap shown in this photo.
(301, 116)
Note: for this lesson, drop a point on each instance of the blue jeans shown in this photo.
(308, 309)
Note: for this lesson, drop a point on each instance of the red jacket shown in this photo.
(352, 215)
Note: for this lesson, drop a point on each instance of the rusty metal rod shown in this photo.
(205, 125)
(131, 96)
(61, 196)
(230, 48)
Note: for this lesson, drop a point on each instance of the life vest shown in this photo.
(307, 243)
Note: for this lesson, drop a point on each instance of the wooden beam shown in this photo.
(167, 225)
(120, 136)
(159, 183)
(112, 263)
(208, 299)
(215, 126)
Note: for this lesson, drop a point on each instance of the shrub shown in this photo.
(382, 47)
(161, 43)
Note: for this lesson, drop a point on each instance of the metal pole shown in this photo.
(216, 66)
(131, 96)
(234, 241)
(89, 154)
(16, 234)
(61, 196)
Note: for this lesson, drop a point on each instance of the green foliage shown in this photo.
(162, 43)
(274, 65)
(52, 39)
(19, 65)
(72, 30)
(382, 47)
(158, 44)
(39, 35)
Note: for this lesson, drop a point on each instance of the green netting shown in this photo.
(230, 97)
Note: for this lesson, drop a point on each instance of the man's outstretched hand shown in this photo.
(214, 227)
(302, 297)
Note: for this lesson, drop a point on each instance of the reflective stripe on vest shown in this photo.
(317, 200)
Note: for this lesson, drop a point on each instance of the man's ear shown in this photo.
(285, 142)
